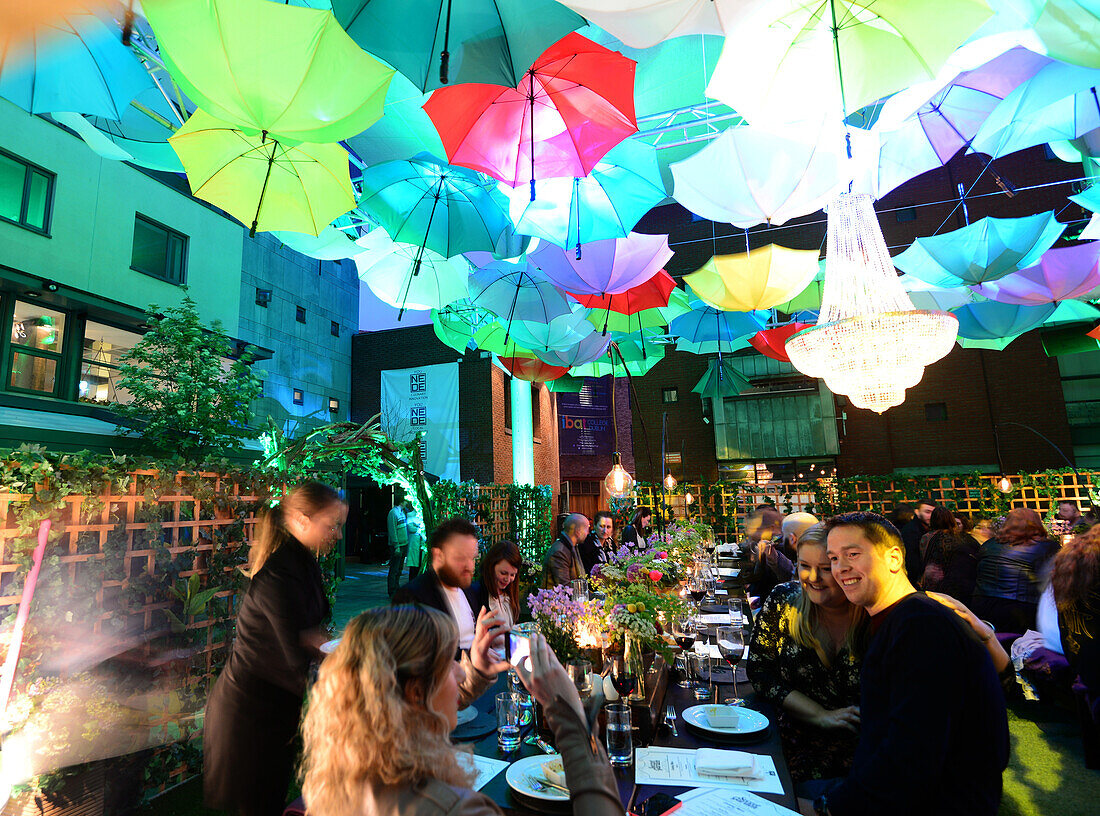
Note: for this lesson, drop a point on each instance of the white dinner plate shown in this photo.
(749, 722)
(467, 714)
(728, 572)
(329, 646)
(517, 774)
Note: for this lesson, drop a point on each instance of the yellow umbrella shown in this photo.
(759, 279)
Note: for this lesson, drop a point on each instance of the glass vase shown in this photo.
(632, 657)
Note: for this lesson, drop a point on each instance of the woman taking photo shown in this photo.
(1010, 568)
(385, 701)
(253, 711)
(497, 589)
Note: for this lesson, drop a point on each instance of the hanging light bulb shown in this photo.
(618, 482)
(670, 482)
(869, 343)
(1005, 486)
(688, 498)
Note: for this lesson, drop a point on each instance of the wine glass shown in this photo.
(684, 631)
(731, 645)
(622, 676)
(697, 588)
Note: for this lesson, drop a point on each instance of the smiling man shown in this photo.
(934, 733)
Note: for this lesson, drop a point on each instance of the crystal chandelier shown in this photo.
(869, 343)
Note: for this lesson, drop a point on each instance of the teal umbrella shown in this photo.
(983, 251)
(721, 379)
(73, 64)
(427, 203)
(435, 42)
(457, 323)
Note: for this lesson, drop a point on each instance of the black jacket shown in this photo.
(590, 552)
(426, 590)
(911, 534)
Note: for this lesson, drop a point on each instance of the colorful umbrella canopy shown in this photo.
(456, 324)
(1068, 29)
(760, 279)
(559, 332)
(272, 67)
(512, 290)
(789, 50)
(989, 320)
(649, 294)
(607, 267)
(573, 105)
(981, 252)
(722, 379)
(20, 19)
(705, 324)
(747, 176)
(1061, 274)
(773, 342)
(331, 245)
(409, 277)
(586, 350)
(948, 121)
(425, 202)
(1056, 103)
(74, 63)
(808, 300)
(659, 316)
(464, 41)
(565, 384)
(644, 23)
(261, 181)
(607, 203)
(941, 300)
(531, 368)
(638, 357)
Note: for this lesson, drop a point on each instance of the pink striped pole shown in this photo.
(7, 675)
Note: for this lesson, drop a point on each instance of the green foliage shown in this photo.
(185, 398)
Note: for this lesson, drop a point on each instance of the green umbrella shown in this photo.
(637, 358)
(567, 384)
(261, 181)
(408, 277)
(456, 324)
(292, 72)
(659, 316)
(721, 379)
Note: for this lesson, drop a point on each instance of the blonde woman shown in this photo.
(253, 711)
(804, 658)
(376, 733)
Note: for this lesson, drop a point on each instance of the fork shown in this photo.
(670, 719)
(542, 785)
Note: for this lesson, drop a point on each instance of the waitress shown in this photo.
(253, 712)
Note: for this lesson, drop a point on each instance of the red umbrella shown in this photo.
(574, 104)
(531, 369)
(772, 342)
(650, 294)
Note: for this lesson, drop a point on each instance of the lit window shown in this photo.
(158, 251)
(104, 348)
(37, 337)
(333, 405)
(299, 397)
(26, 193)
(670, 394)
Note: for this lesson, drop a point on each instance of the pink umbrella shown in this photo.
(574, 104)
(1061, 274)
(607, 267)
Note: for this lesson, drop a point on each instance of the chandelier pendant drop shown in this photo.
(869, 344)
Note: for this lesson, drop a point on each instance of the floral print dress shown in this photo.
(778, 665)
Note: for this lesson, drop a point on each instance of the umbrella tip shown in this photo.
(578, 251)
(532, 189)
(252, 229)
(444, 65)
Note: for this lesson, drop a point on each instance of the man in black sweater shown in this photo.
(911, 534)
(933, 727)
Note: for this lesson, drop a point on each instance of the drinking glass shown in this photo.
(509, 714)
(684, 631)
(739, 613)
(623, 677)
(620, 744)
(710, 584)
(580, 672)
(731, 645)
(698, 668)
(580, 589)
(697, 588)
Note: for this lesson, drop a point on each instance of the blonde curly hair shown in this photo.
(360, 727)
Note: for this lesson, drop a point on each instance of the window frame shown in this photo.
(63, 374)
(29, 168)
(334, 329)
(672, 391)
(299, 314)
(185, 239)
(82, 360)
(297, 396)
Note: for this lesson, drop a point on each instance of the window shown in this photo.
(935, 411)
(904, 214)
(158, 251)
(335, 329)
(670, 394)
(26, 194)
(299, 397)
(263, 297)
(37, 337)
(300, 315)
(333, 405)
(104, 347)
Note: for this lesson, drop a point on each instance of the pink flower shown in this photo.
(662, 554)
(655, 575)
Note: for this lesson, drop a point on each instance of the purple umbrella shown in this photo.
(588, 350)
(1061, 274)
(607, 267)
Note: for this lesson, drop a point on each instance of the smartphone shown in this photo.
(656, 805)
(516, 647)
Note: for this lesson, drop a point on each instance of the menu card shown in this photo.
(676, 767)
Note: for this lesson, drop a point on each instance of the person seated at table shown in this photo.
(1010, 572)
(762, 526)
(599, 542)
(779, 555)
(1076, 583)
(376, 737)
(497, 589)
(804, 658)
(949, 557)
(562, 562)
(446, 584)
(640, 527)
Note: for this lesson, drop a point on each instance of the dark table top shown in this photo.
(497, 789)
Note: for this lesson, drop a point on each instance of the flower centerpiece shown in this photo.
(556, 614)
(682, 541)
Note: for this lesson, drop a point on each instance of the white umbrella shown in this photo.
(644, 23)
(390, 270)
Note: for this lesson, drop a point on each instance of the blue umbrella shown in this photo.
(586, 350)
(607, 203)
(983, 251)
(714, 329)
(513, 291)
(990, 320)
(76, 64)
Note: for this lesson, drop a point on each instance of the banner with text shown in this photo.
(425, 399)
(585, 419)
